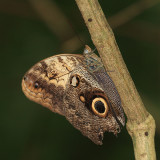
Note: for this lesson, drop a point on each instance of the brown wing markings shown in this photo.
(56, 74)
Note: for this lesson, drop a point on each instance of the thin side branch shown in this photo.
(140, 124)
(135, 9)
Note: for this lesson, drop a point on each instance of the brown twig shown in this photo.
(71, 43)
(140, 124)
(128, 13)
(53, 17)
(141, 30)
(57, 22)
(18, 8)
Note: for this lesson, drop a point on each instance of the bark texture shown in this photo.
(140, 124)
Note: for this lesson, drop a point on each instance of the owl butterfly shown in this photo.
(77, 87)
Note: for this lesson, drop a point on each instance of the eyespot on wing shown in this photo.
(45, 82)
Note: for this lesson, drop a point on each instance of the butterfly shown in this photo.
(79, 88)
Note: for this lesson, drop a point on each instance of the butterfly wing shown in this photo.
(45, 82)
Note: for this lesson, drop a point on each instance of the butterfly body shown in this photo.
(77, 87)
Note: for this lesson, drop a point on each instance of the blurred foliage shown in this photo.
(31, 132)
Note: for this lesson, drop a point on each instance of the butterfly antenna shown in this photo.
(94, 50)
(76, 33)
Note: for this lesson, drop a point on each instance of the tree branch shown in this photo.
(128, 13)
(140, 124)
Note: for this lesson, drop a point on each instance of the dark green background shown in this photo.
(31, 132)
